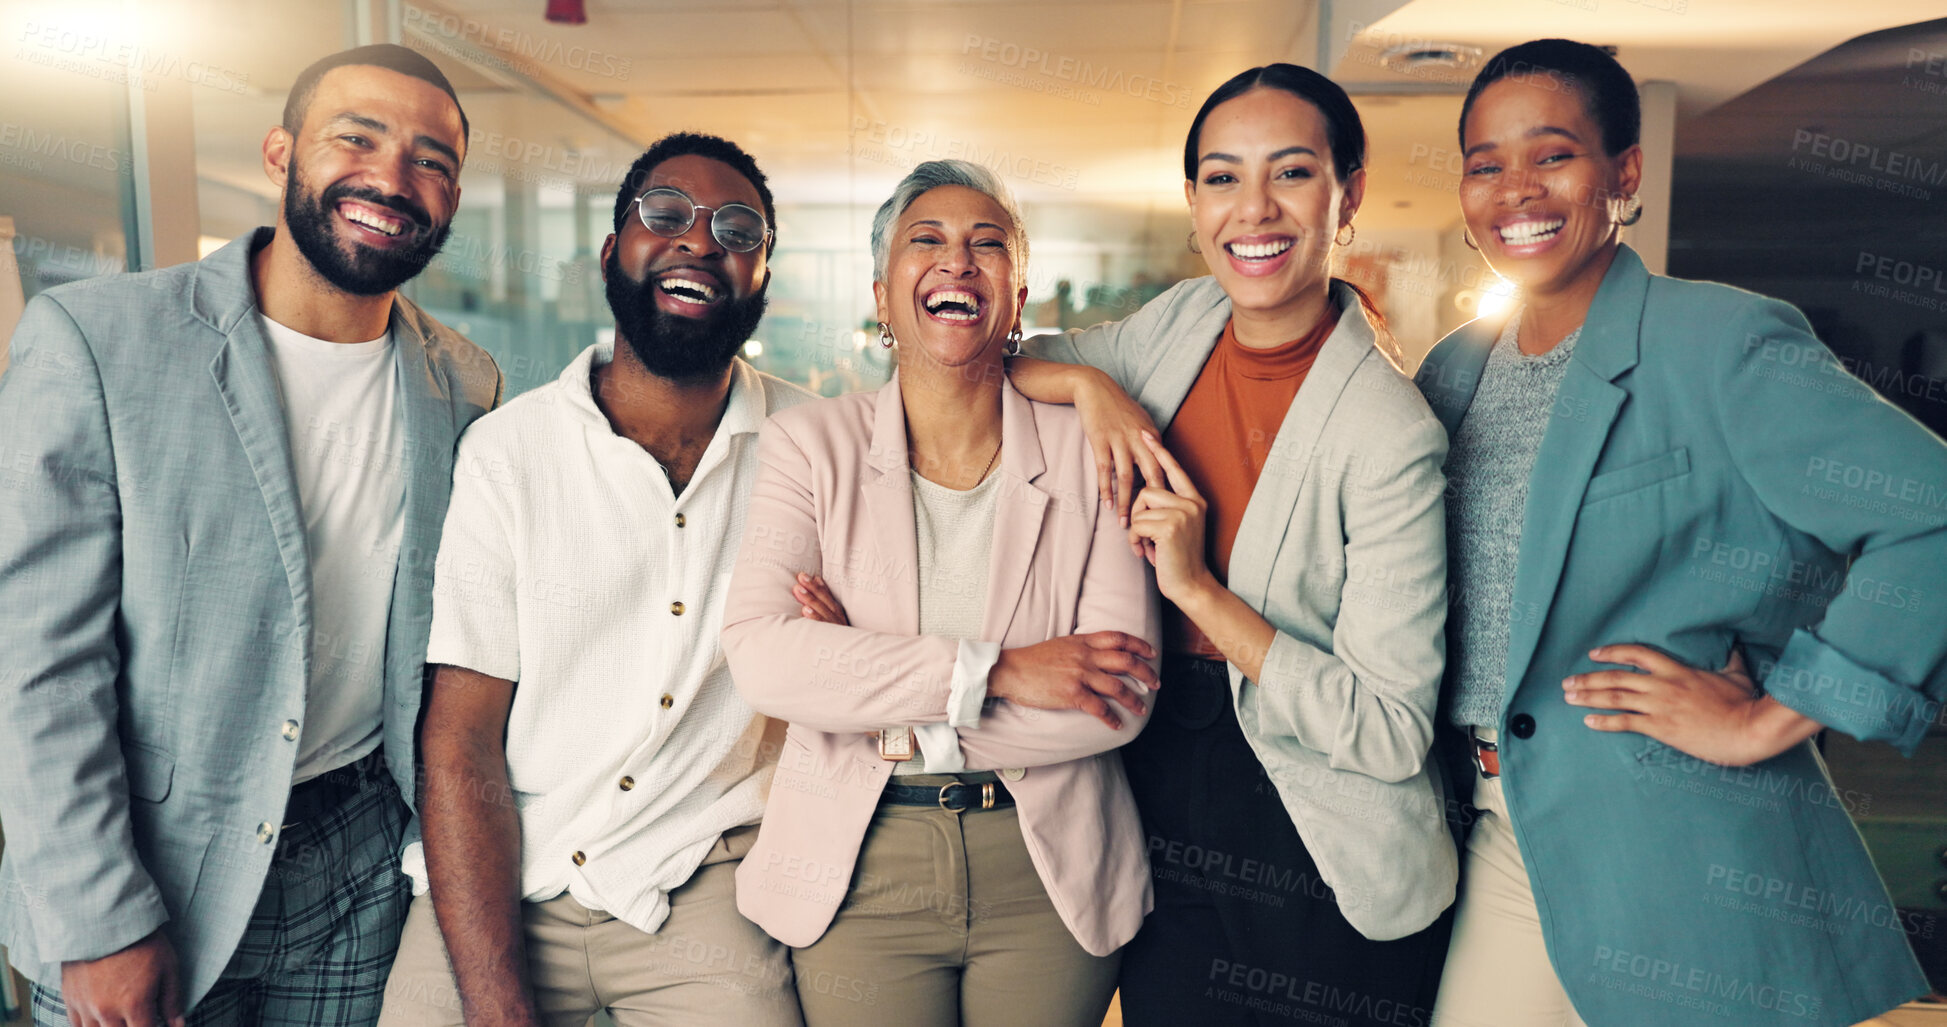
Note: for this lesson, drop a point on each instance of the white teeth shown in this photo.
(359, 215)
(687, 290)
(968, 305)
(1523, 232)
(1258, 251)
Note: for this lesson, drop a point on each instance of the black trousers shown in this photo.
(1244, 930)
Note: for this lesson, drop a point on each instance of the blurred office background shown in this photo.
(1799, 149)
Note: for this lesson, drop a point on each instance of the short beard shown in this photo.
(674, 347)
(366, 270)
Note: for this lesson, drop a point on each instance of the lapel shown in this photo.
(1451, 372)
(1275, 498)
(223, 298)
(1607, 348)
(425, 415)
(886, 497)
(1019, 513)
(1185, 352)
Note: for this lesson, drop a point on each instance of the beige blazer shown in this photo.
(834, 496)
(1343, 549)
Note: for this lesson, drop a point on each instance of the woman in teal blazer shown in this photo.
(1682, 473)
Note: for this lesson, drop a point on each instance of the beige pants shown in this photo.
(1497, 972)
(947, 923)
(706, 964)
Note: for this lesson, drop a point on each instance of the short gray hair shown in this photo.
(931, 175)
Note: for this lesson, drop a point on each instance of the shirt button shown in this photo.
(579, 858)
(679, 520)
(290, 730)
(265, 832)
(1522, 726)
(1013, 774)
(668, 701)
(628, 783)
(676, 608)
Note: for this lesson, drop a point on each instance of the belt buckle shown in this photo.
(943, 805)
(1482, 745)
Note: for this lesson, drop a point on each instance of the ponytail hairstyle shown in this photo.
(1344, 132)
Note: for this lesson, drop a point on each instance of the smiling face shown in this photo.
(951, 294)
(1537, 185)
(1266, 203)
(685, 304)
(371, 178)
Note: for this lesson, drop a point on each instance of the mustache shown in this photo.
(419, 215)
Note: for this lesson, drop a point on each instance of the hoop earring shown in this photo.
(1631, 210)
(1348, 231)
(1013, 347)
(1468, 238)
(885, 335)
(1192, 242)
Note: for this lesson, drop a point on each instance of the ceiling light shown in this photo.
(1426, 55)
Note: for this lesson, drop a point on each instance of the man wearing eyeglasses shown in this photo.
(591, 776)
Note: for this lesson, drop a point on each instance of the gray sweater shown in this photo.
(1488, 466)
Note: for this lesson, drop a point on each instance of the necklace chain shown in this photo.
(913, 459)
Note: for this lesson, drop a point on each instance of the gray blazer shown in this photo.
(155, 604)
(1343, 549)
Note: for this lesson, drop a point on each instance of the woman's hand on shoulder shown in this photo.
(1115, 425)
(1077, 672)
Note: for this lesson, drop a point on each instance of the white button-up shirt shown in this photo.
(569, 566)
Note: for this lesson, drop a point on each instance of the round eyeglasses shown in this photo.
(667, 212)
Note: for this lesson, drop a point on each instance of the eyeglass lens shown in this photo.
(667, 212)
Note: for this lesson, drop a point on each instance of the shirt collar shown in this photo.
(743, 413)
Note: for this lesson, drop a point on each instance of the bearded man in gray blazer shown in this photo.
(220, 499)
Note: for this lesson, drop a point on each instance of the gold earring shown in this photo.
(1348, 231)
(1192, 242)
(885, 335)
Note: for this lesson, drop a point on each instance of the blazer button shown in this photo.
(676, 608)
(680, 521)
(579, 858)
(265, 832)
(1522, 726)
(668, 701)
(290, 730)
(1013, 774)
(628, 783)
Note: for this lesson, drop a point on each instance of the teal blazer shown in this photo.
(1709, 471)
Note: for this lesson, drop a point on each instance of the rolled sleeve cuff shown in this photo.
(1824, 684)
(969, 690)
(940, 744)
(62, 937)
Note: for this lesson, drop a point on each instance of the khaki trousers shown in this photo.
(705, 965)
(1497, 972)
(947, 923)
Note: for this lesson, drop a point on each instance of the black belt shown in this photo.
(331, 789)
(957, 797)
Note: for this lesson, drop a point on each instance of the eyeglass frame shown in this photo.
(643, 218)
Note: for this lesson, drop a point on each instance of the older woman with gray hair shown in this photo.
(959, 638)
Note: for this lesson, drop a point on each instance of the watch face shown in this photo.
(896, 743)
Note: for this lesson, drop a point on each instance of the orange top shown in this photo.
(1222, 435)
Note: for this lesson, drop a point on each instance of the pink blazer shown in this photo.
(834, 496)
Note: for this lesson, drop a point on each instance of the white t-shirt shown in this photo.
(348, 452)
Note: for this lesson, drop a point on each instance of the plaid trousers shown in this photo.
(321, 940)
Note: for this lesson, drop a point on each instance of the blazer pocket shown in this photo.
(1636, 476)
(150, 771)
